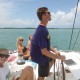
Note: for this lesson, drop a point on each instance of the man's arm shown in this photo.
(50, 55)
(55, 51)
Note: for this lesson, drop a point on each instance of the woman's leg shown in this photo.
(27, 74)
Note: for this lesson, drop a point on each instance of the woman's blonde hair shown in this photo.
(19, 38)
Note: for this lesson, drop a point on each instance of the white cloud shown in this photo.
(22, 23)
(62, 19)
(59, 19)
(5, 13)
(5, 9)
(78, 9)
(17, 23)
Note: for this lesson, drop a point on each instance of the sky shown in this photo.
(22, 13)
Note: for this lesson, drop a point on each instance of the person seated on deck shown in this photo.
(28, 48)
(24, 74)
(29, 42)
(22, 49)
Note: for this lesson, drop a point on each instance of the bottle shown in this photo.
(20, 59)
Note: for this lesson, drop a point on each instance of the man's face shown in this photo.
(47, 15)
(3, 56)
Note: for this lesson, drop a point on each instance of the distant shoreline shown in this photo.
(35, 28)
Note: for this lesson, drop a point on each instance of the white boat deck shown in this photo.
(74, 68)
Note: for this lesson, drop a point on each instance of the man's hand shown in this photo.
(62, 57)
(55, 51)
(58, 53)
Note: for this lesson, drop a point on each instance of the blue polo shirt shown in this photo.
(40, 40)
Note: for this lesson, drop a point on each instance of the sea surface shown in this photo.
(60, 38)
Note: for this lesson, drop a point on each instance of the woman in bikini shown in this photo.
(22, 49)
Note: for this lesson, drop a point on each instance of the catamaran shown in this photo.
(67, 70)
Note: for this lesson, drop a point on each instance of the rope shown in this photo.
(73, 24)
(76, 39)
(63, 70)
(60, 72)
(54, 70)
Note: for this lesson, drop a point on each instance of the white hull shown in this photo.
(74, 68)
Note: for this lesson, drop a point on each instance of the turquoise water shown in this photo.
(59, 38)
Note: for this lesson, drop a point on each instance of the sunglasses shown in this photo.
(4, 55)
(20, 40)
(47, 13)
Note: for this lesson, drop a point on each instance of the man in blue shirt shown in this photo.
(40, 45)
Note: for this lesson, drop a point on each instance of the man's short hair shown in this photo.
(3, 49)
(41, 11)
